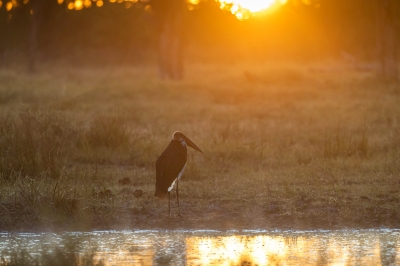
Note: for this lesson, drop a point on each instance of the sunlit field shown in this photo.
(285, 145)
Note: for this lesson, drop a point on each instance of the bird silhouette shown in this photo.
(170, 166)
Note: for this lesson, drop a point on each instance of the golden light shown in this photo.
(60, 2)
(235, 250)
(243, 9)
(250, 5)
(1, 3)
(147, 8)
(99, 3)
(9, 6)
(274, 250)
(78, 5)
(87, 3)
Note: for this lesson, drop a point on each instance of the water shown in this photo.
(207, 247)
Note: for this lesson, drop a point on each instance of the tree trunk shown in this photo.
(170, 48)
(3, 25)
(37, 15)
(386, 40)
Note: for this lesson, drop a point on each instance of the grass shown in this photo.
(285, 145)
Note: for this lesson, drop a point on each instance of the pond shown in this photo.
(204, 247)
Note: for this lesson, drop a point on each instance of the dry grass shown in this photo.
(284, 146)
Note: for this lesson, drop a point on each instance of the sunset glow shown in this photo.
(276, 250)
(250, 5)
(243, 9)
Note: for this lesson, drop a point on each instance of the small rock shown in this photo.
(105, 194)
(365, 198)
(138, 193)
(124, 181)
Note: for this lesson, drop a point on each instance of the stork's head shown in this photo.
(185, 140)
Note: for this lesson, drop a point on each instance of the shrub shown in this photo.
(32, 142)
(107, 131)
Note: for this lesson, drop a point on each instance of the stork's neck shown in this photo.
(182, 142)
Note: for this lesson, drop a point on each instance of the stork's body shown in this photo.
(170, 166)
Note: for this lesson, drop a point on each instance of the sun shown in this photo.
(243, 9)
(250, 5)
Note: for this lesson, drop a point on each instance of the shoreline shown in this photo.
(178, 223)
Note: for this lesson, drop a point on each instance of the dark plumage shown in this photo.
(170, 166)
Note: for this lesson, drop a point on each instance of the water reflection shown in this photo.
(331, 248)
(348, 247)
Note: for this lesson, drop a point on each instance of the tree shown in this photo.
(169, 20)
(386, 39)
(2, 40)
(37, 10)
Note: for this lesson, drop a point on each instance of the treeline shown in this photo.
(111, 33)
(121, 33)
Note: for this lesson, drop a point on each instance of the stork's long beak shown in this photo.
(191, 144)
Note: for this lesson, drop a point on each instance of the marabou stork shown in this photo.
(171, 165)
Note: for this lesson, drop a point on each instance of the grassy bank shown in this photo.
(289, 146)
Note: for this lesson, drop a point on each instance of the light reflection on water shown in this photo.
(343, 247)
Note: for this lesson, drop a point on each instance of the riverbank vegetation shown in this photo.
(285, 146)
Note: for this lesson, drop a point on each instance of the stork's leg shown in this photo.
(177, 197)
(177, 191)
(169, 203)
